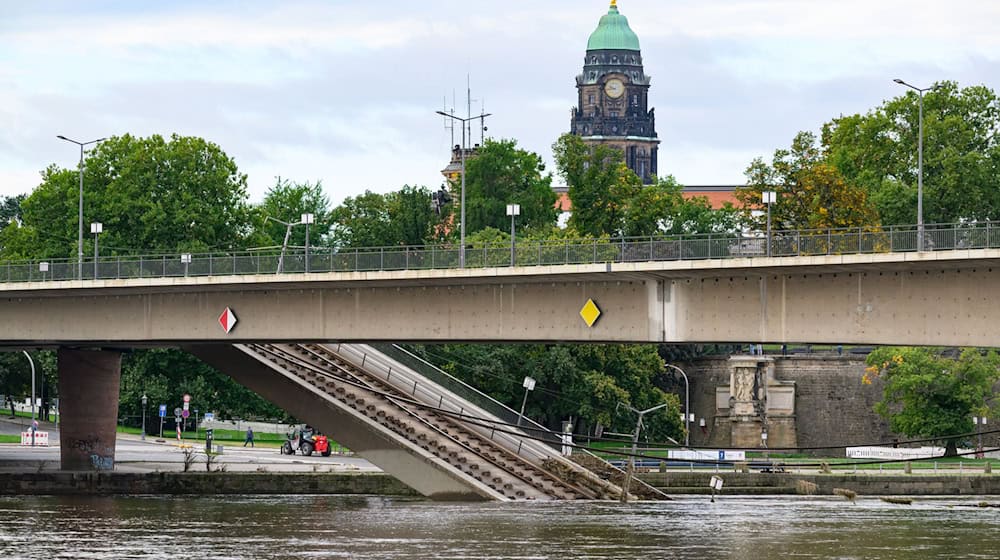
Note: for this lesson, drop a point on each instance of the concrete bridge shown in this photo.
(927, 298)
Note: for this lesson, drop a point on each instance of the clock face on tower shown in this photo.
(614, 88)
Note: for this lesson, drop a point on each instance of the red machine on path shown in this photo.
(307, 441)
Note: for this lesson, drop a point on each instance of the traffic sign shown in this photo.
(163, 411)
(209, 416)
(185, 414)
(227, 320)
(187, 398)
(177, 412)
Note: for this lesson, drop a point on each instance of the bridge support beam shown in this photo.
(88, 405)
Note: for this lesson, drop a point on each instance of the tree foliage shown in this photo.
(288, 201)
(403, 217)
(600, 185)
(152, 194)
(584, 383)
(929, 395)
(809, 192)
(502, 174)
(878, 152)
(610, 200)
(166, 375)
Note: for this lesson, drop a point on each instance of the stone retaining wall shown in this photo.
(832, 406)
(110, 483)
(863, 484)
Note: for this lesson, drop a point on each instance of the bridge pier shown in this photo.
(88, 404)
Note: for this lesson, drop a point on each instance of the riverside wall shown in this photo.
(674, 482)
(671, 482)
(832, 405)
(176, 483)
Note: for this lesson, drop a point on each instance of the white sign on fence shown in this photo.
(706, 455)
(41, 438)
(898, 452)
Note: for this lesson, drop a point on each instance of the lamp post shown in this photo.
(920, 160)
(97, 228)
(529, 385)
(461, 249)
(687, 405)
(513, 210)
(144, 401)
(284, 244)
(768, 197)
(635, 441)
(79, 243)
(32, 362)
(307, 219)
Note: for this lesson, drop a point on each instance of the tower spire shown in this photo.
(614, 4)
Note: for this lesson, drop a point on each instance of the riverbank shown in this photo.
(863, 483)
(267, 483)
(199, 483)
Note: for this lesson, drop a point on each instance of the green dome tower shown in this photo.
(612, 106)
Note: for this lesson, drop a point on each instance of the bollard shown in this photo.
(987, 469)
(908, 468)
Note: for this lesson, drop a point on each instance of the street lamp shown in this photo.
(97, 228)
(768, 197)
(461, 249)
(79, 242)
(687, 405)
(529, 385)
(513, 210)
(977, 420)
(144, 401)
(920, 161)
(635, 441)
(288, 233)
(32, 362)
(307, 219)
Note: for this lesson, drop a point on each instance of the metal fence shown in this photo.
(845, 241)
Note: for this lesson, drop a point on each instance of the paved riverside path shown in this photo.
(132, 454)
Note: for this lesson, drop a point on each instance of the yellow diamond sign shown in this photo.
(590, 313)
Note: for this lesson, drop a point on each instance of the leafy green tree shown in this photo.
(877, 151)
(662, 208)
(584, 383)
(151, 194)
(10, 209)
(810, 193)
(928, 395)
(610, 200)
(414, 221)
(47, 228)
(403, 217)
(287, 201)
(166, 375)
(600, 185)
(502, 174)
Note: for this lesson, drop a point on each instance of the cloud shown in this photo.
(346, 91)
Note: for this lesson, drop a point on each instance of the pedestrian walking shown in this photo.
(249, 437)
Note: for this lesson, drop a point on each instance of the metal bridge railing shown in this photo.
(789, 243)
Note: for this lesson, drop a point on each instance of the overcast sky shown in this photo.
(345, 92)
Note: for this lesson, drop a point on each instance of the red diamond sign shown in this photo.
(227, 320)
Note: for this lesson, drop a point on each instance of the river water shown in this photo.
(315, 527)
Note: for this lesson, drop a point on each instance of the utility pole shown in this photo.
(635, 441)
